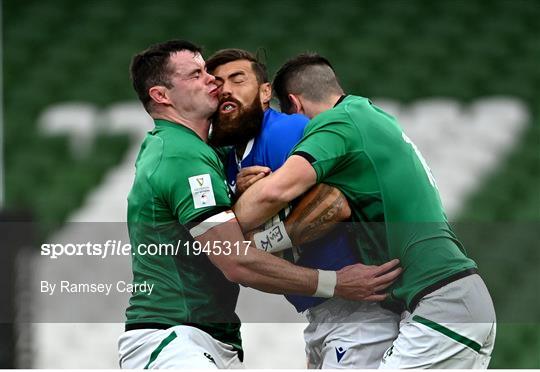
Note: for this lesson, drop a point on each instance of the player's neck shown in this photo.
(327, 104)
(199, 125)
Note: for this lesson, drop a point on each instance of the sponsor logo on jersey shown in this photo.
(210, 358)
(340, 352)
(204, 199)
(388, 353)
(202, 191)
(232, 186)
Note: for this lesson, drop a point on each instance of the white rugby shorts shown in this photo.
(179, 347)
(452, 327)
(348, 334)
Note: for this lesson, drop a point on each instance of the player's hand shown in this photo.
(361, 282)
(248, 176)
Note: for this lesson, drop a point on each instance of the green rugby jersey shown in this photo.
(397, 212)
(179, 180)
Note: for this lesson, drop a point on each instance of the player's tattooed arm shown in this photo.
(317, 213)
(253, 268)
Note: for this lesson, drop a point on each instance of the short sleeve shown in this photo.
(196, 187)
(325, 146)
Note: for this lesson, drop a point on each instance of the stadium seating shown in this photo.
(418, 59)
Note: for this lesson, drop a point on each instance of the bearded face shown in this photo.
(234, 123)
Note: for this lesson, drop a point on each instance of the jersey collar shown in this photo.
(343, 96)
(249, 145)
(247, 151)
(166, 123)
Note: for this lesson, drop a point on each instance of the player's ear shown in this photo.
(296, 104)
(159, 94)
(265, 92)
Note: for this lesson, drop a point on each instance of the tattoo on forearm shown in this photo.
(314, 228)
(322, 193)
(300, 215)
(322, 223)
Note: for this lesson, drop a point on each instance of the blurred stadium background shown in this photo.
(463, 77)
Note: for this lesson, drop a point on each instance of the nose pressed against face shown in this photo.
(238, 86)
(193, 89)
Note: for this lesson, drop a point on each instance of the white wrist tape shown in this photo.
(274, 239)
(326, 284)
(210, 222)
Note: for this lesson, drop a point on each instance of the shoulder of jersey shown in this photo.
(280, 121)
(342, 111)
(283, 117)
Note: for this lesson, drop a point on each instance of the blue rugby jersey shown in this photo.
(279, 134)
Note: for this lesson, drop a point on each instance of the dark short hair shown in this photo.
(307, 74)
(151, 67)
(224, 56)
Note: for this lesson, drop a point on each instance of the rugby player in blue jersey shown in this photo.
(341, 333)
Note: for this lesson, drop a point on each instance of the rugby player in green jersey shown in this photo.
(356, 147)
(180, 202)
